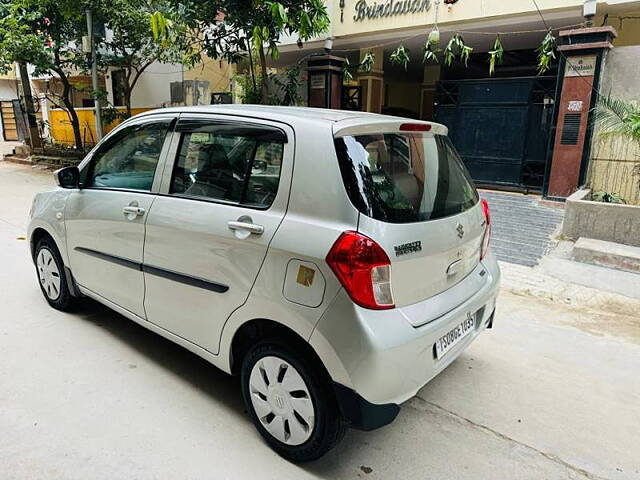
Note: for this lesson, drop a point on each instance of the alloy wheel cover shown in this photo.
(281, 400)
(48, 274)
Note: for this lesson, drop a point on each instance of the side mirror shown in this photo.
(68, 177)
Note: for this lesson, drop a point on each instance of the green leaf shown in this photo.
(273, 51)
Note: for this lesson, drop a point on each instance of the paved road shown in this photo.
(521, 226)
(550, 393)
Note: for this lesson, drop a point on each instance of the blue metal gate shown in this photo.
(501, 127)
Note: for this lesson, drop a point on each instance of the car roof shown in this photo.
(289, 115)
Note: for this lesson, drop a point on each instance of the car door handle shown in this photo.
(247, 227)
(131, 210)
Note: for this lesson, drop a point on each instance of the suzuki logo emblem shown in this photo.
(460, 230)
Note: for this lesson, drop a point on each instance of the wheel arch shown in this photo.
(39, 228)
(36, 235)
(252, 331)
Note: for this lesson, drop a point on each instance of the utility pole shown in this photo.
(32, 123)
(94, 73)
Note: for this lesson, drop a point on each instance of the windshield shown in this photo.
(404, 177)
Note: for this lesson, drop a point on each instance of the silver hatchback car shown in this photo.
(336, 261)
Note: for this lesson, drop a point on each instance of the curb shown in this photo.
(18, 160)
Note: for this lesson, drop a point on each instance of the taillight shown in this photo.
(487, 231)
(415, 127)
(364, 270)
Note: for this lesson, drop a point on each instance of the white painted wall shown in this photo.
(152, 89)
(8, 89)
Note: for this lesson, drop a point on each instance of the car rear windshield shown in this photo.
(404, 177)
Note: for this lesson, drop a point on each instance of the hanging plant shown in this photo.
(546, 53)
(456, 48)
(367, 62)
(346, 71)
(401, 57)
(366, 65)
(429, 54)
(496, 56)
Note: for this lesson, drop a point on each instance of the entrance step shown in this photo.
(607, 254)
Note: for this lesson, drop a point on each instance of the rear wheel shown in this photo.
(51, 277)
(291, 401)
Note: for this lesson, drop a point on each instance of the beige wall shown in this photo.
(463, 11)
(403, 95)
(628, 28)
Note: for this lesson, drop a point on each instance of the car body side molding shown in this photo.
(158, 272)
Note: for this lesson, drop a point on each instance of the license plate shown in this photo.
(455, 335)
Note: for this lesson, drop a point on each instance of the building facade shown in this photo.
(516, 128)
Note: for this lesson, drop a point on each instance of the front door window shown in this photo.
(129, 159)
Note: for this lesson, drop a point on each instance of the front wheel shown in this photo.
(291, 401)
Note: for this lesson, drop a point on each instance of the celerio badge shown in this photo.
(407, 248)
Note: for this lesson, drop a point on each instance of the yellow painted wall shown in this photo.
(217, 73)
(62, 132)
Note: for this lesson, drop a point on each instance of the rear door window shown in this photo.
(229, 163)
(404, 177)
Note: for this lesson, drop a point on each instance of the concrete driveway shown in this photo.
(551, 393)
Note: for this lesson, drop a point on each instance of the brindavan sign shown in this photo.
(390, 8)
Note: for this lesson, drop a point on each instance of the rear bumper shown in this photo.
(384, 359)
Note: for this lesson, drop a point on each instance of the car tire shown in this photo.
(51, 276)
(302, 390)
